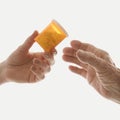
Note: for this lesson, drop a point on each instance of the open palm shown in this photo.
(96, 66)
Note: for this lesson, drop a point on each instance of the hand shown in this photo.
(96, 66)
(25, 67)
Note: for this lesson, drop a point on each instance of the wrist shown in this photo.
(2, 73)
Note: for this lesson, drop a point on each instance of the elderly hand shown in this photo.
(25, 67)
(96, 66)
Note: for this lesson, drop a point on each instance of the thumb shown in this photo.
(90, 59)
(29, 41)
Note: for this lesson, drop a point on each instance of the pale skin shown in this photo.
(25, 67)
(96, 66)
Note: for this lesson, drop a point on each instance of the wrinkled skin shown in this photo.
(96, 66)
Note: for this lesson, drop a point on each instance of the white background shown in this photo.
(62, 95)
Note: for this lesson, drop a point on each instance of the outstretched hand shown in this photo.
(96, 66)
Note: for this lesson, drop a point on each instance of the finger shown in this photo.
(29, 42)
(53, 51)
(38, 72)
(49, 57)
(90, 48)
(69, 51)
(32, 78)
(77, 45)
(91, 59)
(83, 73)
(45, 56)
(74, 60)
(42, 64)
(78, 71)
